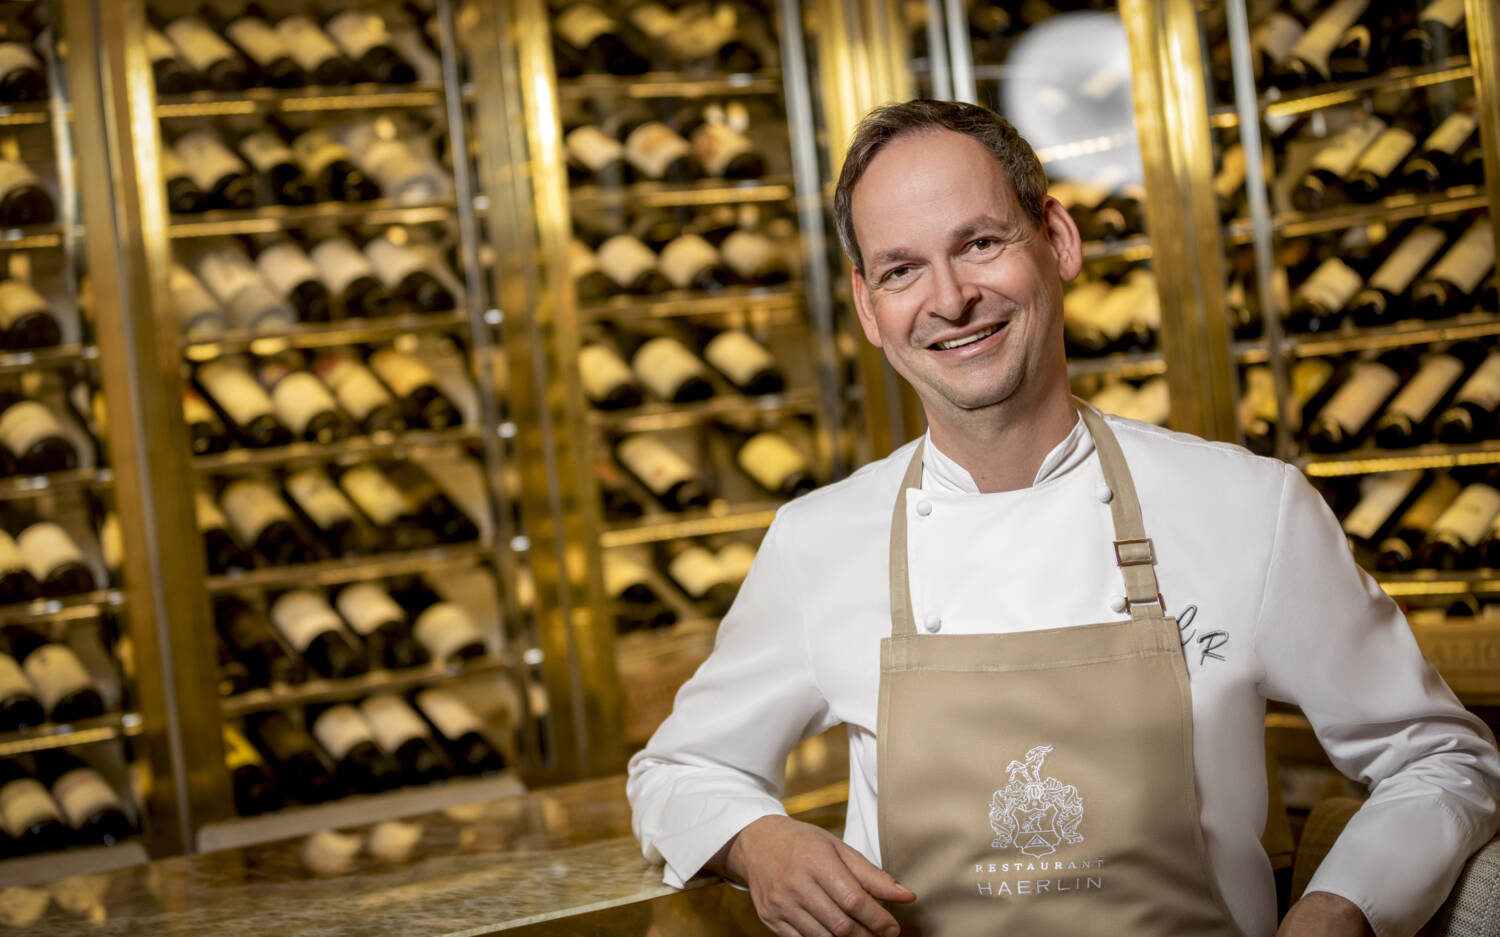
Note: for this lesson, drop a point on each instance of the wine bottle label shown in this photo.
(1231, 176)
(1331, 286)
(47, 546)
(1396, 274)
(735, 558)
(448, 713)
(1483, 386)
(579, 25)
(209, 515)
(13, 682)
(265, 151)
(171, 165)
(696, 570)
(56, 673)
(340, 263)
(699, 37)
(716, 145)
(1379, 501)
(14, 57)
(158, 47)
(1470, 514)
(738, 355)
(623, 572)
(227, 273)
(1469, 260)
(1388, 151)
(199, 46)
(1354, 403)
(251, 507)
(593, 147)
(318, 497)
(654, 146)
(444, 628)
(26, 423)
(1453, 132)
(189, 299)
(1308, 377)
(368, 487)
(257, 39)
(299, 396)
(316, 151)
(358, 391)
(655, 20)
(392, 721)
(235, 390)
(663, 364)
(402, 373)
(1318, 43)
(24, 803)
(1341, 153)
(624, 258)
(684, 257)
(238, 752)
(308, 44)
(394, 262)
(653, 463)
(207, 159)
(750, 253)
(82, 793)
(770, 459)
(1277, 35)
(1152, 403)
(15, 174)
(340, 728)
(302, 615)
(1426, 388)
(600, 371)
(1448, 12)
(581, 260)
(357, 31)
(286, 267)
(366, 606)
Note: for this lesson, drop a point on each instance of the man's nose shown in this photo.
(952, 292)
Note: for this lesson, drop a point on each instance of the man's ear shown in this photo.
(1062, 236)
(864, 306)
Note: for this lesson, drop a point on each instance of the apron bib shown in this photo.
(1040, 784)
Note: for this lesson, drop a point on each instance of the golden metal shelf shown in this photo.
(1457, 68)
(15, 362)
(718, 519)
(47, 867)
(685, 303)
(380, 445)
(1439, 582)
(301, 100)
(31, 237)
(83, 732)
(690, 195)
(658, 417)
(1131, 250)
(1370, 461)
(25, 115)
(1466, 651)
(1402, 207)
(337, 572)
(378, 681)
(326, 334)
(81, 607)
(1470, 325)
(671, 85)
(1144, 364)
(268, 219)
(32, 486)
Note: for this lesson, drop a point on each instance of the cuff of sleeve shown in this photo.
(1397, 863)
(685, 853)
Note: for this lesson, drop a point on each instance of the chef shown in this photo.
(1050, 634)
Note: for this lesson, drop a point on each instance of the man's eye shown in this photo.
(983, 243)
(896, 273)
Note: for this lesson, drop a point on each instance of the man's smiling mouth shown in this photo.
(969, 339)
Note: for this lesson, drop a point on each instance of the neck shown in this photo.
(999, 447)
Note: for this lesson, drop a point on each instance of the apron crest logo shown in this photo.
(1035, 814)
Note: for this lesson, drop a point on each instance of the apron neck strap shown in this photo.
(1133, 551)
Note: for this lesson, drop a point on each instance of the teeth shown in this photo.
(969, 339)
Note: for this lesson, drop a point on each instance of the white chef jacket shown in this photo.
(1250, 561)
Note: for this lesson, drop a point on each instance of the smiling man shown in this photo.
(1051, 634)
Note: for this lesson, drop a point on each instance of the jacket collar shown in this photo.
(941, 473)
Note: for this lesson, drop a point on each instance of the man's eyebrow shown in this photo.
(1004, 230)
(890, 255)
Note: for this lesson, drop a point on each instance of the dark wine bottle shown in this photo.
(315, 52)
(724, 151)
(206, 432)
(33, 434)
(1310, 59)
(735, 559)
(606, 379)
(222, 552)
(1452, 542)
(91, 807)
(234, 676)
(311, 626)
(407, 271)
(1323, 184)
(17, 582)
(1397, 552)
(631, 265)
(415, 388)
(1386, 296)
(303, 405)
(1382, 499)
(327, 513)
(590, 282)
(1365, 47)
(1438, 33)
(636, 603)
(172, 74)
(1345, 419)
(444, 628)
(363, 37)
(280, 177)
(591, 40)
(741, 359)
(403, 736)
(21, 77)
(386, 507)
(690, 262)
(302, 770)
(359, 392)
(771, 461)
(665, 473)
(24, 199)
(347, 739)
(595, 157)
(63, 687)
(353, 283)
(26, 318)
(1454, 282)
(55, 560)
(654, 150)
(261, 519)
(1475, 408)
(247, 408)
(1434, 160)
(697, 572)
(265, 50)
(28, 814)
(19, 707)
(459, 731)
(433, 507)
(329, 166)
(1319, 302)
(1271, 45)
(1408, 418)
(664, 366)
(222, 175)
(248, 634)
(184, 195)
(1378, 170)
(755, 258)
(255, 788)
(371, 613)
(206, 53)
(199, 316)
(285, 265)
(618, 502)
(249, 301)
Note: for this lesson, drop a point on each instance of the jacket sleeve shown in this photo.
(1329, 640)
(718, 761)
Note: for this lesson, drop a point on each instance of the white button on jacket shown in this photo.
(1251, 563)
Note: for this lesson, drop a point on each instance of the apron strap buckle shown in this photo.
(1135, 552)
(1158, 601)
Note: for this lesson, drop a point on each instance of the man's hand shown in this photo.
(1321, 914)
(806, 882)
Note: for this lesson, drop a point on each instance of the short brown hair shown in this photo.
(890, 121)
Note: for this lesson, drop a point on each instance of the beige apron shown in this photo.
(1040, 784)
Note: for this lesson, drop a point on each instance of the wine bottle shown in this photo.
(706, 36)
(23, 198)
(433, 507)
(315, 52)
(346, 737)
(1397, 552)
(1386, 295)
(1318, 304)
(28, 814)
(55, 560)
(595, 157)
(328, 514)
(1437, 34)
(1382, 499)
(21, 77)
(280, 176)
(590, 282)
(1309, 61)
(91, 807)
(1271, 44)
(617, 501)
(32, 432)
(216, 169)
(303, 405)
(654, 150)
(1099, 318)
(665, 367)
(724, 151)
(199, 317)
(171, 73)
(690, 262)
(222, 552)
(631, 265)
(606, 379)
(311, 626)
(771, 461)
(1453, 540)
(329, 166)
(1489, 547)
(363, 37)
(301, 768)
(285, 266)
(1377, 171)
(735, 559)
(255, 788)
(372, 614)
(1343, 421)
(459, 731)
(248, 634)
(63, 687)
(359, 392)
(26, 319)
(403, 736)
(1408, 419)
(755, 258)
(666, 474)
(403, 173)
(742, 360)
(406, 270)
(206, 53)
(247, 408)
(697, 572)
(249, 302)
(17, 583)
(1322, 185)
(206, 432)
(1452, 285)
(19, 707)
(1435, 159)
(350, 279)
(636, 603)
(594, 41)
(386, 507)
(259, 517)
(415, 388)
(184, 195)
(1365, 47)
(269, 54)
(234, 676)
(1475, 408)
